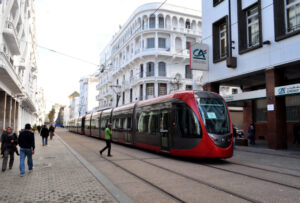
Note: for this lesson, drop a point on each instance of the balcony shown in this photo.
(11, 38)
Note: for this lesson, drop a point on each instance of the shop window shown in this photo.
(261, 110)
(292, 104)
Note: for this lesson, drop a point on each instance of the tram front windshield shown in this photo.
(213, 112)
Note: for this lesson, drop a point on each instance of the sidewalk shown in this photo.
(57, 176)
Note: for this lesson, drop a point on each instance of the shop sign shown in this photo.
(256, 94)
(288, 89)
(199, 56)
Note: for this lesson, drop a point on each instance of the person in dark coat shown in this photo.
(39, 129)
(44, 134)
(27, 145)
(9, 141)
(251, 133)
(51, 132)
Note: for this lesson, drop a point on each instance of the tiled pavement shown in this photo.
(57, 176)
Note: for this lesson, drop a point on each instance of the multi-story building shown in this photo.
(149, 57)
(88, 94)
(255, 45)
(74, 105)
(18, 68)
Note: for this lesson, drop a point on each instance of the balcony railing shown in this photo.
(11, 36)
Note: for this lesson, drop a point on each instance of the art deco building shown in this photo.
(149, 57)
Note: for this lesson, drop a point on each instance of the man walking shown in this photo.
(9, 141)
(27, 145)
(44, 134)
(51, 132)
(107, 139)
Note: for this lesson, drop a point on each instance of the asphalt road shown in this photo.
(149, 177)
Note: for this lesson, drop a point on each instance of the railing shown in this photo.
(11, 26)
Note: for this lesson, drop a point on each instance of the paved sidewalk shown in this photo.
(57, 176)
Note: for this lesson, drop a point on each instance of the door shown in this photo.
(164, 130)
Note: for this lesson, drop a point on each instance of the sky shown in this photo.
(80, 29)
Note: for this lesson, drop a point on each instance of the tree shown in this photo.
(51, 115)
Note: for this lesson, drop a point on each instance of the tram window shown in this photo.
(153, 122)
(121, 125)
(104, 123)
(143, 122)
(187, 122)
(164, 120)
(128, 122)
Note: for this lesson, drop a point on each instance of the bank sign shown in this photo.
(288, 89)
(199, 56)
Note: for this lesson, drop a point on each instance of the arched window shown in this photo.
(162, 69)
(152, 22)
(150, 69)
(187, 24)
(161, 22)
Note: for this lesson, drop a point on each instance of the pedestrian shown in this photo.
(44, 134)
(251, 134)
(51, 132)
(9, 141)
(39, 129)
(27, 145)
(234, 135)
(107, 139)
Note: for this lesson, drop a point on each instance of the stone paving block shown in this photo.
(57, 177)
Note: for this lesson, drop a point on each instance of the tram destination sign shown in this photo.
(288, 89)
(199, 56)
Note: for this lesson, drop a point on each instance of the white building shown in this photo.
(148, 56)
(18, 68)
(74, 105)
(255, 45)
(88, 94)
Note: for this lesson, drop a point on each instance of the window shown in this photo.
(161, 69)
(162, 89)
(161, 23)
(188, 87)
(123, 98)
(129, 123)
(286, 18)
(216, 2)
(188, 72)
(162, 43)
(261, 110)
(143, 122)
(148, 122)
(187, 45)
(252, 27)
(187, 122)
(130, 95)
(188, 25)
(141, 92)
(234, 91)
(150, 43)
(150, 69)
(250, 34)
(141, 70)
(220, 40)
(152, 22)
(223, 40)
(150, 90)
(292, 104)
(131, 74)
(292, 8)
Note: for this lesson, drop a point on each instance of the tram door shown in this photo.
(164, 130)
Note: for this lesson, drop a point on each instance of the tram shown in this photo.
(187, 124)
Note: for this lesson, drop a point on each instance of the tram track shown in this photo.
(184, 176)
(291, 156)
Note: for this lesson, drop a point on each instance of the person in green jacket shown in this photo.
(107, 139)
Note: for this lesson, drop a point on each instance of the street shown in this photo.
(146, 177)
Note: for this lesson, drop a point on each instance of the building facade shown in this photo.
(254, 45)
(149, 56)
(88, 94)
(18, 67)
(74, 110)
